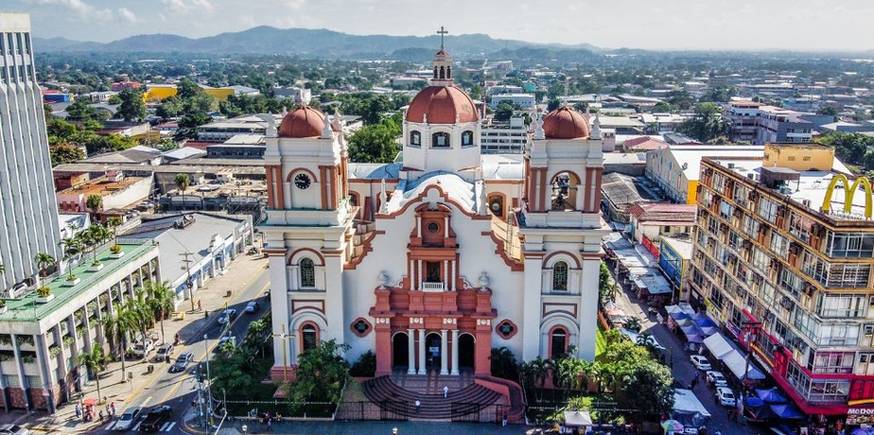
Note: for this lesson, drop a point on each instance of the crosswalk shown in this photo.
(166, 427)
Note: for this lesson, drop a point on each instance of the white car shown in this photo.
(251, 307)
(716, 379)
(654, 343)
(142, 348)
(700, 363)
(725, 396)
(227, 316)
(126, 421)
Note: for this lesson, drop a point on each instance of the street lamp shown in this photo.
(209, 383)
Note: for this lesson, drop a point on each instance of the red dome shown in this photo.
(302, 122)
(565, 123)
(443, 105)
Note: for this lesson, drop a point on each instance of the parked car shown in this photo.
(251, 307)
(181, 362)
(716, 379)
(13, 429)
(725, 396)
(142, 348)
(164, 352)
(700, 362)
(227, 315)
(650, 340)
(127, 419)
(156, 418)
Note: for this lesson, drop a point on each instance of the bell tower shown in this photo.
(442, 63)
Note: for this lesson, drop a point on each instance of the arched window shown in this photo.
(448, 72)
(559, 276)
(442, 73)
(310, 337)
(435, 73)
(307, 273)
(496, 206)
(415, 138)
(440, 140)
(467, 138)
(558, 343)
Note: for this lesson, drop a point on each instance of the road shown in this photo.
(178, 390)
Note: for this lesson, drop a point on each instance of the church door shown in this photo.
(466, 351)
(400, 350)
(432, 351)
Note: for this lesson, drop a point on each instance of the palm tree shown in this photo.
(182, 182)
(94, 203)
(161, 300)
(43, 261)
(71, 247)
(94, 361)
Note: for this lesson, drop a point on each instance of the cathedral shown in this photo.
(434, 259)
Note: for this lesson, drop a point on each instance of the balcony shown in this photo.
(433, 286)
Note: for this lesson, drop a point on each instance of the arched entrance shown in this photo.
(400, 350)
(564, 191)
(466, 351)
(433, 349)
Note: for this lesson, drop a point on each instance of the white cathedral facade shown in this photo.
(433, 260)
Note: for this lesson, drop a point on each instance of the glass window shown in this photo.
(415, 138)
(767, 209)
(310, 337)
(558, 342)
(440, 140)
(307, 273)
(467, 138)
(853, 245)
(559, 276)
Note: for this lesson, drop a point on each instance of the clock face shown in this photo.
(302, 181)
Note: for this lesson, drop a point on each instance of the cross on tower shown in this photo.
(442, 32)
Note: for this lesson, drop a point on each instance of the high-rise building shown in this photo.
(783, 258)
(28, 211)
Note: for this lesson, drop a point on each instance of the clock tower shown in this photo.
(307, 231)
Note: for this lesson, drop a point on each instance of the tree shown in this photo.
(375, 143)
(94, 202)
(182, 182)
(170, 108)
(132, 107)
(43, 261)
(65, 153)
(95, 361)
(648, 388)
(80, 111)
(504, 111)
(504, 364)
(852, 148)
(321, 373)
(71, 248)
(707, 123)
(828, 110)
(662, 107)
(553, 104)
(161, 300)
(606, 287)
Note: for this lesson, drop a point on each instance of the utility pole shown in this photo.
(187, 261)
(209, 385)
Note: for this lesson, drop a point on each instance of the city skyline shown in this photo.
(680, 25)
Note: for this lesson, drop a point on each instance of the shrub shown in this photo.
(43, 291)
(365, 366)
(2, 303)
(115, 249)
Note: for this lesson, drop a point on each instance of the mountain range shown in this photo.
(319, 43)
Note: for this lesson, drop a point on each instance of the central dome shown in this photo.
(442, 105)
(302, 122)
(565, 123)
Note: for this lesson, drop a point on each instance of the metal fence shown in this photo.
(362, 410)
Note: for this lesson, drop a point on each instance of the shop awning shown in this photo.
(771, 395)
(737, 364)
(685, 402)
(718, 345)
(577, 418)
(786, 411)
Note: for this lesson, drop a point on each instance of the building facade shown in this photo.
(28, 212)
(423, 262)
(784, 261)
(504, 138)
(41, 338)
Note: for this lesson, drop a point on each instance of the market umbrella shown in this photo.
(771, 395)
(672, 426)
(89, 401)
(787, 411)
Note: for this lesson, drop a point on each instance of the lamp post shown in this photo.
(209, 383)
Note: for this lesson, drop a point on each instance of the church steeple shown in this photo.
(442, 63)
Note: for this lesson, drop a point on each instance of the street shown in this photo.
(248, 280)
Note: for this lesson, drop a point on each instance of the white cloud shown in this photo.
(77, 6)
(127, 15)
(186, 6)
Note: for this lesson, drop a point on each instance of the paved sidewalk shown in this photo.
(242, 272)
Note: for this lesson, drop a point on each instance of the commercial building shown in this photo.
(220, 131)
(115, 191)
(28, 211)
(743, 120)
(675, 254)
(652, 220)
(298, 94)
(504, 138)
(41, 338)
(204, 244)
(524, 101)
(778, 125)
(675, 169)
(783, 259)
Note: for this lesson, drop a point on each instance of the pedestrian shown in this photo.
(100, 414)
(108, 410)
(78, 411)
(199, 308)
(112, 405)
(418, 404)
(694, 383)
(445, 391)
(504, 421)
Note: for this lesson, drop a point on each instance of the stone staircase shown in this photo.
(398, 396)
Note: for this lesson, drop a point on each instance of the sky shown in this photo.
(664, 24)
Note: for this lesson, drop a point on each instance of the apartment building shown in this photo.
(504, 138)
(783, 259)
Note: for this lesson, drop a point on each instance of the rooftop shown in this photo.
(101, 186)
(26, 308)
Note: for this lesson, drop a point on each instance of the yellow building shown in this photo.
(160, 92)
(800, 157)
(220, 94)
